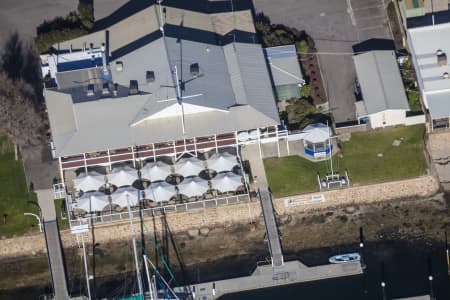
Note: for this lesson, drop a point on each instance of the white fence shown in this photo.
(413, 120)
(160, 210)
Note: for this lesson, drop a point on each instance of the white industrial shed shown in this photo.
(384, 100)
(430, 46)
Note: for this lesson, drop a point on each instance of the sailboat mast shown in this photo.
(133, 238)
(331, 151)
(180, 100)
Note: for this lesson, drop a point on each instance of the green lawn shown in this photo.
(14, 194)
(61, 207)
(294, 175)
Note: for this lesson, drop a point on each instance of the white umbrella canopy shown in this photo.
(122, 176)
(222, 162)
(189, 167)
(193, 187)
(94, 201)
(226, 182)
(123, 196)
(160, 191)
(92, 182)
(156, 171)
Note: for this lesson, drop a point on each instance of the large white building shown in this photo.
(430, 47)
(384, 100)
(160, 81)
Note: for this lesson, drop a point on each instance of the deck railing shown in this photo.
(159, 210)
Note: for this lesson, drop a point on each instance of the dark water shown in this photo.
(406, 271)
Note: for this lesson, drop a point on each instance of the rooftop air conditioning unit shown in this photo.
(150, 76)
(90, 90)
(445, 75)
(134, 89)
(195, 69)
(119, 66)
(105, 90)
(441, 58)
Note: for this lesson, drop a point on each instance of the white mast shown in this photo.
(331, 151)
(133, 237)
(179, 98)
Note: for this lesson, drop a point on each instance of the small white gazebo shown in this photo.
(94, 201)
(194, 186)
(222, 162)
(90, 182)
(226, 182)
(316, 140)
(125, 196)
(122, 176)
(156, 171)
(189, 166)
(160, 191)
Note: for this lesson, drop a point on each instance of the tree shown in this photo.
(12, 58)
(86, 13)
(20, 119)
(21, 61)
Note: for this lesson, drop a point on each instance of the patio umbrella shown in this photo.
(156, 171)
(189, 167)
(92, 182)
(193, 187)
(122, 176)
(222, 162)
(126, 195)
(94, 201)
(160, 191)
(226, 182)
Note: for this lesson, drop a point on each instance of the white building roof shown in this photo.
(424, 42)
(380, 81)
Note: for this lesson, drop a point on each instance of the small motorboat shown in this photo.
(345, 258)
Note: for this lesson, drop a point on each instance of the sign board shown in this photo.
(317, 198)
(79, 228)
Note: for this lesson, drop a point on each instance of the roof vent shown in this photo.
(105, 90)
(195, 70)
(150, 76)
(90, 90)
(441, 58)
(445, 75)
(134, 89)
(119, 66)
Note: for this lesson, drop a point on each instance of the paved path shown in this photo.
(56, 261)
(271, 229)
(251, 153)
(263, 277)
(53, 242)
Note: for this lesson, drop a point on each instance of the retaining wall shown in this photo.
(238, 214)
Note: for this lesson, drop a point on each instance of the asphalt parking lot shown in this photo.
(24, 15)
(335, 26)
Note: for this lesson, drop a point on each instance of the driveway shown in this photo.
(24, 16)
(335, 26)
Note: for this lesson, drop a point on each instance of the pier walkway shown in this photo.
(53, 243)
(264, 277)
(272, 235)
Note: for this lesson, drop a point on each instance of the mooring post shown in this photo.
(361, 248)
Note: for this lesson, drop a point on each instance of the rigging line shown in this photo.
(159, 253)
(162, 256)
(162, 278)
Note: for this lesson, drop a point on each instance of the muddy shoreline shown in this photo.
(237, 249)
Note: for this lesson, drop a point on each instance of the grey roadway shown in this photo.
(335, 26)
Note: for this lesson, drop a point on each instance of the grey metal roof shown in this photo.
(284, 65)
(380, 81)
(439, 105)
(233, 93)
